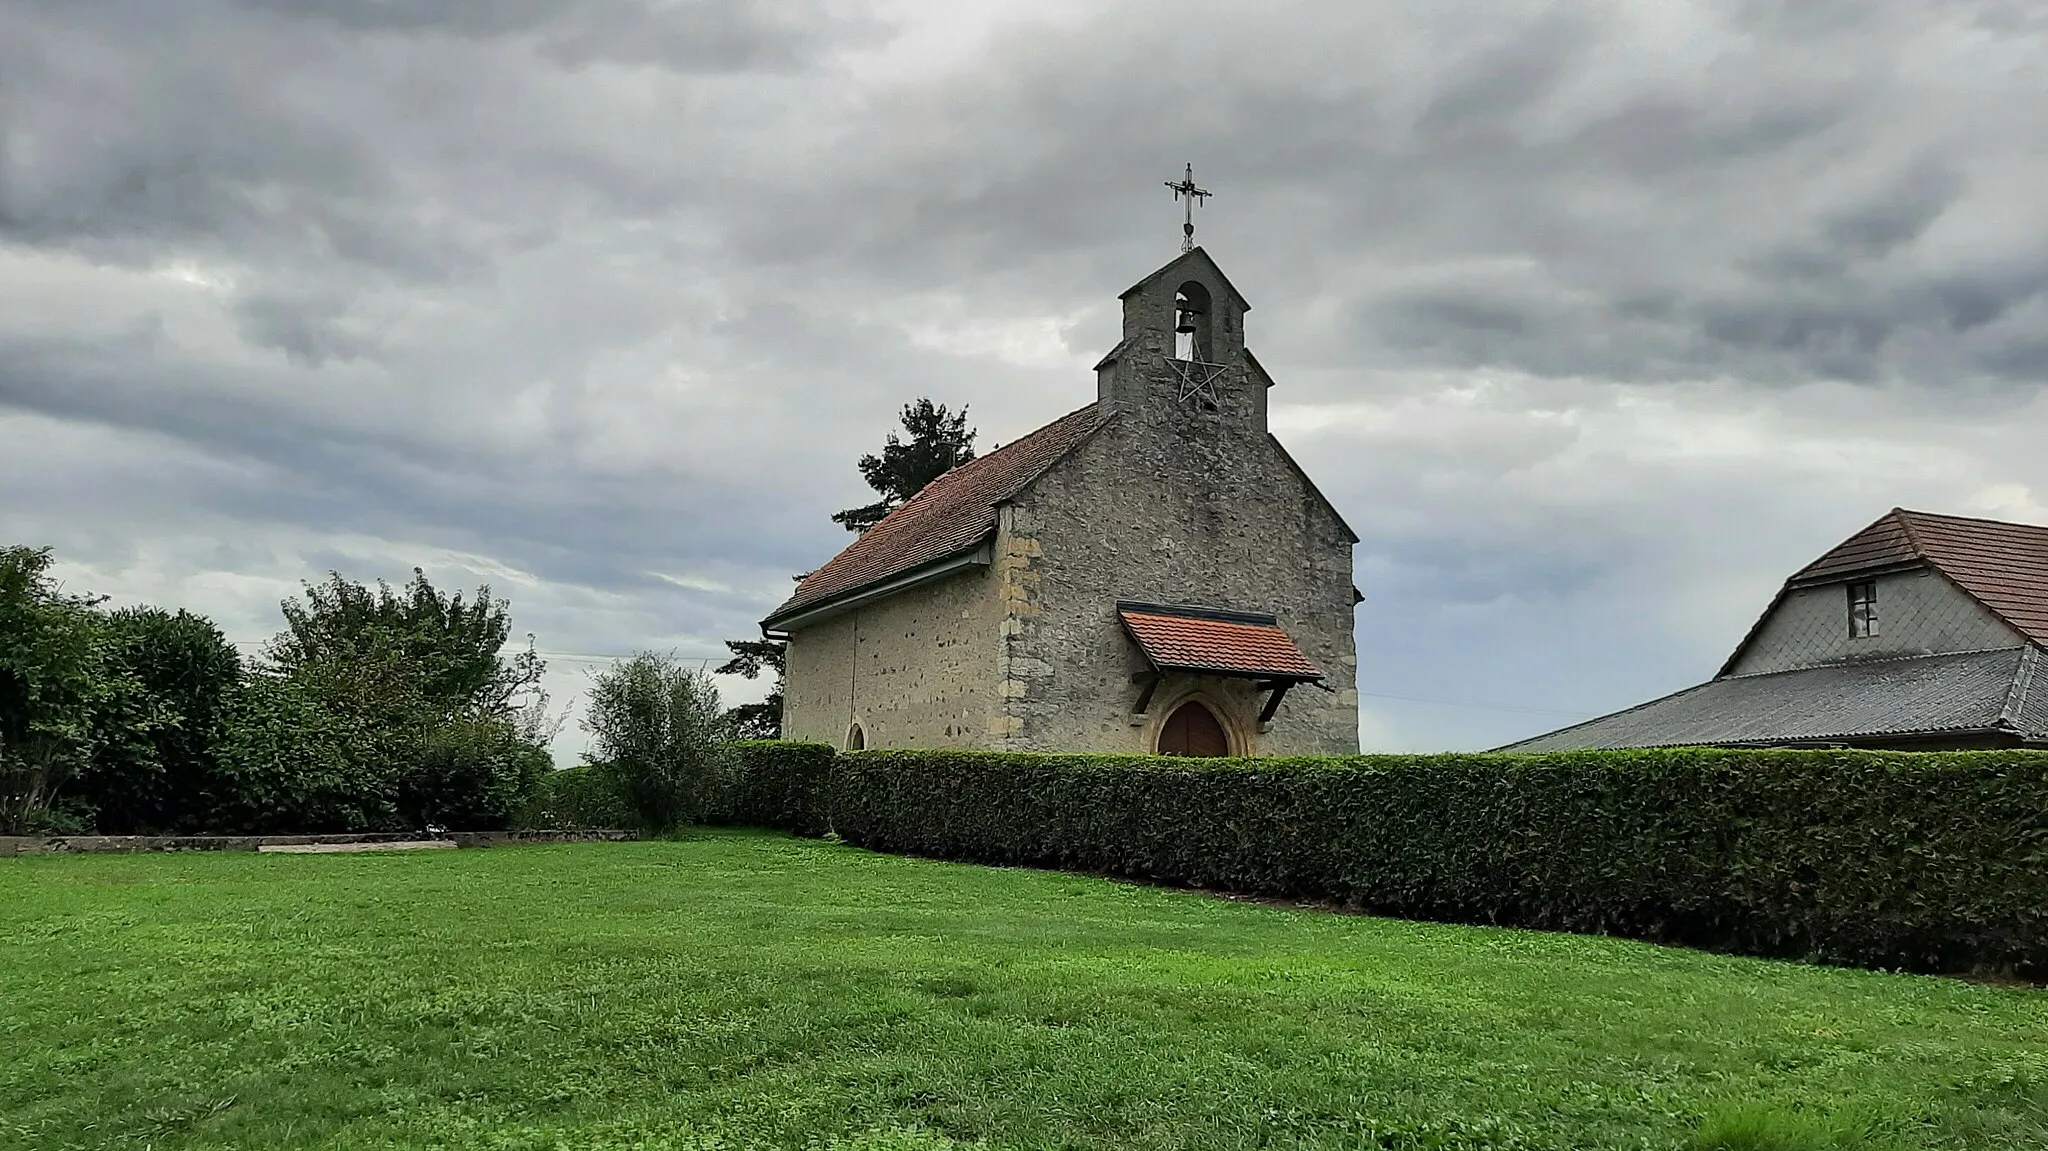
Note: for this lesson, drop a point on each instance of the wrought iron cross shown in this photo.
(1186, 190)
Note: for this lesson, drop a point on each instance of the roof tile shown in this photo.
(1224, 643)
(953, 514)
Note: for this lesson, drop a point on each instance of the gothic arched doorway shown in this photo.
(1192, 729)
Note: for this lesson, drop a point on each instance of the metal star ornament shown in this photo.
(1197, 380)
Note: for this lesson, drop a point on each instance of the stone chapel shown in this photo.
(1152, 573)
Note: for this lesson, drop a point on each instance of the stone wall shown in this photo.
(1918, 613)
(1169, 506)
(917, 669)
(128, 844)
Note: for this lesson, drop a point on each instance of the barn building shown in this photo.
(1921, 632)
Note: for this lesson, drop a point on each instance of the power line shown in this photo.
(1477, 704)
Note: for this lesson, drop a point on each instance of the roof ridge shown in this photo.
(950, 516)
(2022, 686)
(1905, 521)
(1910, 512)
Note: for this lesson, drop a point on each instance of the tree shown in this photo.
(751, 657)
(434, 648)
(293, 762)
(54, 691)
(655, 727)
(939, 442)
(420, 677)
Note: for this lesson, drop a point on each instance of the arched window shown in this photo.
(1191, 324)
(1193, 729)
(856, 739)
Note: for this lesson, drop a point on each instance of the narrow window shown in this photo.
(1862, 610)
(856, 739)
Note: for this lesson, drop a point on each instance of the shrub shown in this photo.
(152, 763)
(54, 698)
(776, 783)
(576, 797)
(472, 775)
(1927, 861)
(655, 728)
(290, 763)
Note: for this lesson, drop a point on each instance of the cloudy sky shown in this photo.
(1595, 319)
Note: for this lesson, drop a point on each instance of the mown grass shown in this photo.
(740, 990)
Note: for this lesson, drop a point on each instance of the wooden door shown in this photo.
(1192, 730)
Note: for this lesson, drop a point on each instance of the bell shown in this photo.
(1186, 323)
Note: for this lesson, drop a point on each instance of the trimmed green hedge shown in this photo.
(1923, 861)
(776, 783)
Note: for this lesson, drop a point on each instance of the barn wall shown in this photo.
(1918, 613)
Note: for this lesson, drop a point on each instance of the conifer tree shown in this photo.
(940, 441)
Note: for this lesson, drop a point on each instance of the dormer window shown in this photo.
(1863, 609)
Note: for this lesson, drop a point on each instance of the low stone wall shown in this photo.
(103, 844)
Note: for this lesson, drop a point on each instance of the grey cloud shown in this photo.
(600, 292)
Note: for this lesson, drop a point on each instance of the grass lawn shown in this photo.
(743, 990)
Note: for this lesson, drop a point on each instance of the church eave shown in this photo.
(779, 626)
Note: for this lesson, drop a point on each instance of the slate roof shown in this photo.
(2004, 691)
(1216, 641)
(953, 515)
(2003, 565)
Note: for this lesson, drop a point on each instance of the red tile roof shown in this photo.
(954, 514)
(2003, 565)
(1216, 641)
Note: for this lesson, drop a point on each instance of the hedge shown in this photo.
(1923, 861)
(776, 783)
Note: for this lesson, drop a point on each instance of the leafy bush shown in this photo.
(53, 692)
(170, 676)
(475, 775)
(290, 763)
(1925, 861)
(655, 728)
(576, 797)
(776, 783)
